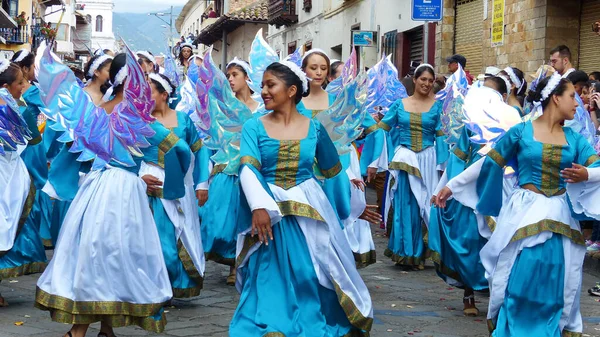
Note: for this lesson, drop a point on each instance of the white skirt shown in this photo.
(14, 188)
(108, 250)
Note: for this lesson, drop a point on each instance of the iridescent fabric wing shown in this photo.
(296, 56)
(487, 116)
(13, 129)
(452, 98)
(582, 123)
(348, 74)
(260, 57)
(171, 69)
(96, 135)
(343, 119)
(384, 87)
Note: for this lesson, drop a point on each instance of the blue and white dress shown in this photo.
(304, 282)
(414, 175)
(537, 240)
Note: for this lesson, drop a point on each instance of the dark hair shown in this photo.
(289, 78)
(334, 67)
(563, 51)
(578, 76)
(10, 74)
(536, 95)
(595, 85)
(180, 57)
(118, 62)
(161, 89)
(143, 58)
(86, 70)
(520, 92)
(596, 75)
(27, 61)
(499, 83)
(239, 67)
(305, 60)
(423, 69)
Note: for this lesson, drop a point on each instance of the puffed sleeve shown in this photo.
(390, 120)
(490, 181)
(584, 196)
(201, 153)
(337, 184)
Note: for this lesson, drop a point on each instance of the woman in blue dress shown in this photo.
(296, 272)
(517, 88)
(165, 175)
(21, 248)
(97, 76)
(315, 64)
(220, 225)
(534, 258)
(414, 169)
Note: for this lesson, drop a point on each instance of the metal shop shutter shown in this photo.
(589, 42)
(468, 33)
(416, 44)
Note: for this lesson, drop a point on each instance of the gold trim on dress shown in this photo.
(212, 256)
(416, 131)
(384, 126)
(35, 140)
(250, 161)
(442, 268)
(571, 334)
(292, 207)
(550, 226)
(551, 158)
(197, 145)
(592, 159)
(439, 133)
(402, 166)
(249, 242)
(48, 301)
(370, 129)
(365, 259)
(27, 207)
(316, 112)
(189, 266)
(496, 157)
(24, 269)
(356, 318)
(218, 169)
(186, 292)
(165, 145)
(490, 222)
(333, 171)
(403, 260)
(273, 334)
(158, 193)
(491, 326)
(460, 154)
(287, 163)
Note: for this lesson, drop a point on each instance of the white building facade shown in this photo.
(66, 30)
(100, 15)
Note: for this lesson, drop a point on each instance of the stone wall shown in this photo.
(562, 26)
(444, 37)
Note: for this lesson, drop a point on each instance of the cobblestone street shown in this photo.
(405, 303)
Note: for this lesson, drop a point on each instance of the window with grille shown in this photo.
(99, 23)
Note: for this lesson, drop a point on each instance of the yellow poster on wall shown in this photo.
(497, 23)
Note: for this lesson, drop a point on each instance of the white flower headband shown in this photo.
(146, 55)
(188, 45)
(23, 55)
(514, 78)
(4, 64)
(293, 67)
(97, 62)
(315, 50)
(425, 65)
(552, 84)
(506, 82)
(240, 63)
(119, 79)
(156, 77)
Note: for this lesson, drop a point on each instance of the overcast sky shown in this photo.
(145, 6)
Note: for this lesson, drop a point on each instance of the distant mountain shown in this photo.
(144, 32)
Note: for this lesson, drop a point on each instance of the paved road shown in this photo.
(406, 304)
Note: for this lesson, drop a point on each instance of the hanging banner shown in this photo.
(497, 23)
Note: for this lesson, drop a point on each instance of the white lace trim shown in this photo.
(147, 55)
(4, 64)
(163, 83)
(97, 63)
(23, 55)
(552, 84)
(293, 67)
(240, 63)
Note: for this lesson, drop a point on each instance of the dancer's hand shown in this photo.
(202, 196)
(433, 200)
(152, 183)
(371, 173)
(261, 225)
(442, 197)
(371, 215)
(358, 183)
(575, 174)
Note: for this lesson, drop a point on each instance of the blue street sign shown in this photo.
(427, 10)
(363, 38)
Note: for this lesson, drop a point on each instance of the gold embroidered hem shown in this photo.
(491, 326)
(157, 193)
(592, 159)
(571, 334)
(497, 157)
(25, 269)
(439, 133)
(164, 147)
(189, 266)
(403, 260)
(490, 222)
(460, 154)
(47, 301)
(550, 226)
(47, 243)
(249, 242)
(196, 146)
(187, 292)
(332, 172)
(551, 158)
(219, 259)
(295, 208)
(355, 317)
(273, 334)
(442, 268)
(370, 129)
(365, 259)
(218, 169)
(115, 321)
(250, 161)
(384, 126)
(35, 141)
(401, 166)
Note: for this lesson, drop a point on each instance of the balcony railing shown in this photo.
(282, 12)
(18, 35)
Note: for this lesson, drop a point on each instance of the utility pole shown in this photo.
(170, 23)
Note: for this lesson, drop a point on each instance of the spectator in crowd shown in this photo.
(336, 70)
(454, 61)
(595, 76)
(560, 60)
(579, 79)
